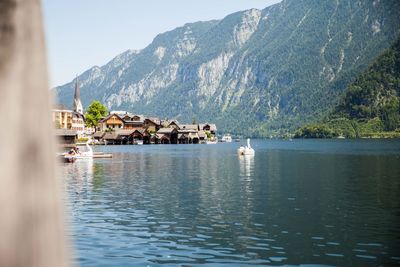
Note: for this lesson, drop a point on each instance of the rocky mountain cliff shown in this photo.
(255, 72)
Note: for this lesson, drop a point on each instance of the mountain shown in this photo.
(370, 106)
(255, 72)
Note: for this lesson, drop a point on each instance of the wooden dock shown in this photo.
(101, 155)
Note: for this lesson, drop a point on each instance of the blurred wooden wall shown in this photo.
(32, 231)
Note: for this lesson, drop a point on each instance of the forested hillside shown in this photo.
(370, 106)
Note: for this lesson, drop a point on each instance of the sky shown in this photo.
(83, 33)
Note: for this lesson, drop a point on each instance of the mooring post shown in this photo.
(32, 230)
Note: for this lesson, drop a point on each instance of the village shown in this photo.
(125, 128)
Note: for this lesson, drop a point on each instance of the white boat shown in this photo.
(226, 138)
(246, 150)
(72, 157)
(86, 154)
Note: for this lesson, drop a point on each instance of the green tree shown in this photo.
(391, 115)
(314, 131)
(95, 112)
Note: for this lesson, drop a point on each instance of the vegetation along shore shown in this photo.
(370, 107)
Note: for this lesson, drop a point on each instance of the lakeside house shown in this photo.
(111, 122)
(66, 137)
(123, 137)
(168, 135)
(128, 121)
(152, 124)
(123, 128)
(209, 127)
(69, 120)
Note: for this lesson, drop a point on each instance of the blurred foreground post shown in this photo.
(31, 214)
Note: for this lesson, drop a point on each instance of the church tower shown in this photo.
(77, 98)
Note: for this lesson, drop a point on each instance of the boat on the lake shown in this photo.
(226, 138)
(74, 154)
(88, 154)
(246, 150)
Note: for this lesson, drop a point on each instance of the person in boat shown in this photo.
(72, 152)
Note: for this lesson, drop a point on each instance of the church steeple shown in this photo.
(77, 98)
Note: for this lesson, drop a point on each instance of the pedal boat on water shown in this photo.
(246, 150)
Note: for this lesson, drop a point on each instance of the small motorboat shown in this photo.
(226, 138)
(246, 150)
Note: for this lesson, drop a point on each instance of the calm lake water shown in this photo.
(301, 202)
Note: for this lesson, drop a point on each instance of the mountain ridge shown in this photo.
(255, 72)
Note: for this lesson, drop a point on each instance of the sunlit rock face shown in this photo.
(268, 69)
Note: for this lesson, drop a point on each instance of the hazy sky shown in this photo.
(84, 33)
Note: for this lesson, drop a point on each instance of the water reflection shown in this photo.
(80, 173)
(246, 163)
(205, 205)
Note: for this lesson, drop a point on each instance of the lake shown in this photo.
(300, 202)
